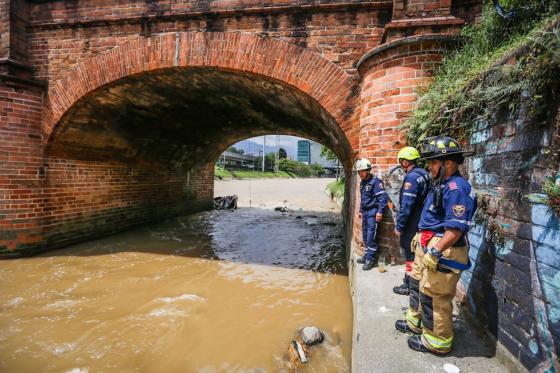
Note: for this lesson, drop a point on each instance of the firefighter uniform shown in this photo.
(431, 306)
(411, 200)
(373, 200)
(449, 205)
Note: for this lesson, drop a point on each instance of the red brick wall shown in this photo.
(421, 8)
(391, 76)
(90, 199)
(323, 81)
(80, 46)
(21, 171)
(62, 36)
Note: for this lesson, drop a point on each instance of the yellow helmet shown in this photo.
(408, 152)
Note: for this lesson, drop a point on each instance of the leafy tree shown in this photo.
(329, 154)
(317, 169)
(287, 165)
(282, 154)
(269, 160)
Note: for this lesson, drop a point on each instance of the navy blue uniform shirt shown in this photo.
(459, 205)
(373, 197)
(414, 190)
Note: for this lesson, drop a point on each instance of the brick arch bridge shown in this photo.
(83, 151)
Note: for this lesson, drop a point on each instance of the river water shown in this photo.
(218, 291)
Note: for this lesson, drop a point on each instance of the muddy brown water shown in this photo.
(218, 291)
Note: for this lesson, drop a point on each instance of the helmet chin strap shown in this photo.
(441, 172)
(438, 187)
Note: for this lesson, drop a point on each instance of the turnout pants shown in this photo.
(369, 232)
(431, 297)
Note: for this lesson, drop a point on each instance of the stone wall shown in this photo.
(513, 288)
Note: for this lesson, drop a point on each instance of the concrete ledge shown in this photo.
(378, 347)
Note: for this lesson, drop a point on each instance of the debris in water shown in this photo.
(225, 203)
(300, 347)
(297, 353)
(281, 208)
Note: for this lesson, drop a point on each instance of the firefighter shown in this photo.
(373, 201)
(414, 190)
(441, 248)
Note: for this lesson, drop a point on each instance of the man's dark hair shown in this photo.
(455, 158)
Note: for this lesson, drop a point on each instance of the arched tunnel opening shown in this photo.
(143, 148)
(140, 152)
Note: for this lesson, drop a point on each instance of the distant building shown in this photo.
(233, 160)
(304, 151)
(309, 152)
(317, 158)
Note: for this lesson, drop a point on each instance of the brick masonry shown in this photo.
(83, 83)
(513, 288)
(392, 73)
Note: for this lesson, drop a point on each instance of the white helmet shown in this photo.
(363, 164)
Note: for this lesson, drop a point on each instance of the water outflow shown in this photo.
(218, 291)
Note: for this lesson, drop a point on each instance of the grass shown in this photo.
(260, 175)
(221, 173)
(236, 174)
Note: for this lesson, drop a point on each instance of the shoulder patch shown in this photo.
(453, 185)
(407, 186)
(458, 210)
(380, 185)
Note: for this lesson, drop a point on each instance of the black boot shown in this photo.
(403, 289)
(415, 343)
(361, 260)
(402, 326)
(369, 264)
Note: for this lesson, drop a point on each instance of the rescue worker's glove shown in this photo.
(431, 259)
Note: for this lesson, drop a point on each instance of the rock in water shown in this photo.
(311, 335)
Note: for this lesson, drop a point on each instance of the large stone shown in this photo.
(311, 335)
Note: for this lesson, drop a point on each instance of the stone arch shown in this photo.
(334, 89)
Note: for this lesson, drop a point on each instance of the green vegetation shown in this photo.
(236, 174)
(472, 81)
(301, 169)
(336, 189)
(269, 160)
(552, 189)
(259, 175)
(221, 173)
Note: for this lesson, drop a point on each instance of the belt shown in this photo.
(425, 236)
